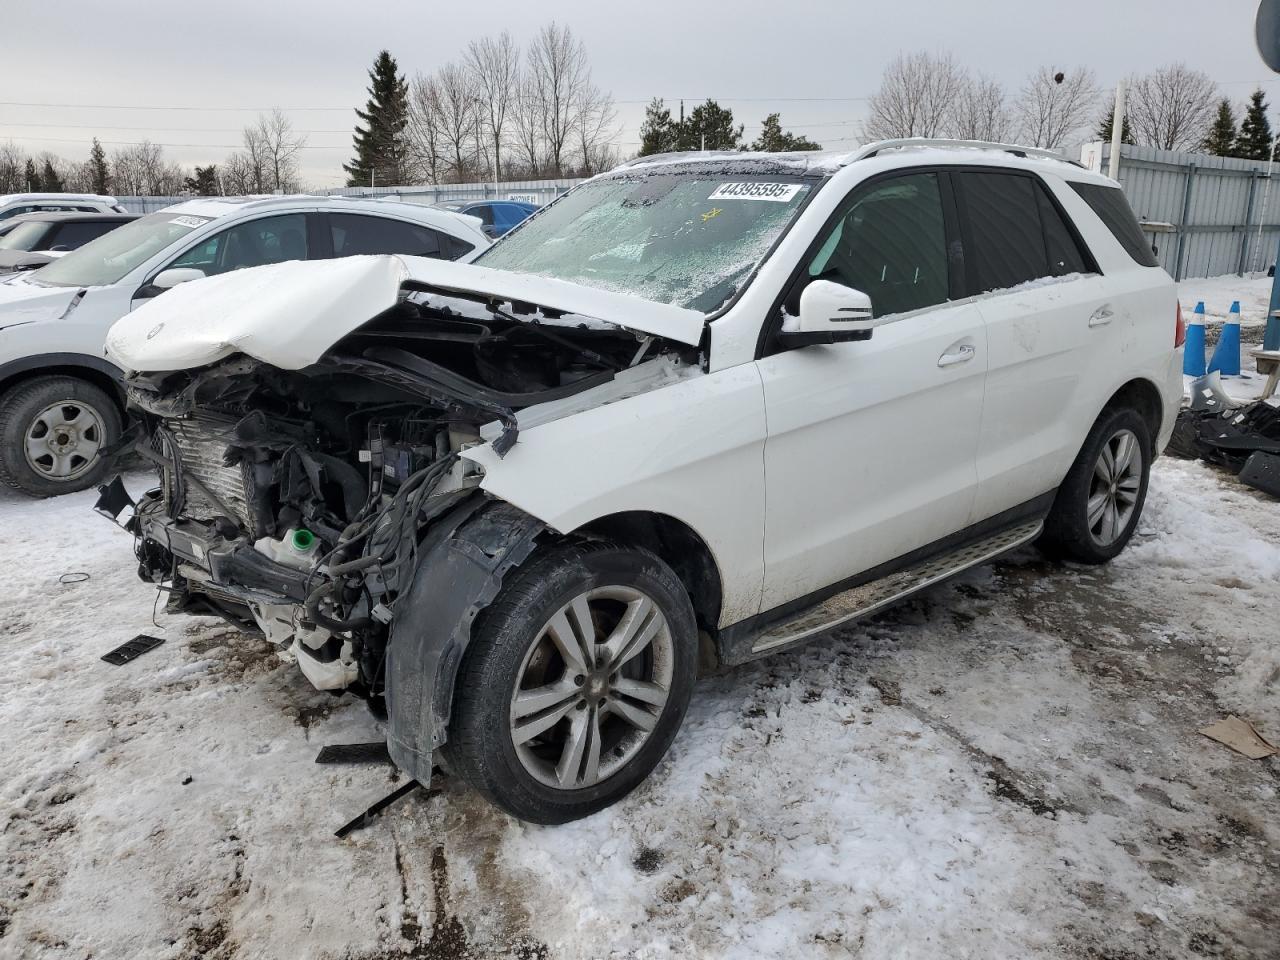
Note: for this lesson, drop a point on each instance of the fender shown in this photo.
(43, 361)
(461, 565)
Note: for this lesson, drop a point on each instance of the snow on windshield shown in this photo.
(691, 240)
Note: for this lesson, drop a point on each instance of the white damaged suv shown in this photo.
(702, 408)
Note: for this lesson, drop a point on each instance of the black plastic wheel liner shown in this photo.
(461, 565)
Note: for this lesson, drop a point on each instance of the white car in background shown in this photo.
(698, 410)
(59, 397)
(16, 204)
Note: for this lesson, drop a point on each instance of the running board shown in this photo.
(878, 594)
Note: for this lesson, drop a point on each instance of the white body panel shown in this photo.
(871, 449)
(692, 450)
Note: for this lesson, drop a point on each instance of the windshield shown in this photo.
(24, 236)
(685, 239)
(109, 258)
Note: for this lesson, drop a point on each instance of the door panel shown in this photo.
(871, 448)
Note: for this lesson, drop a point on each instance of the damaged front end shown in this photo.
(302, 504)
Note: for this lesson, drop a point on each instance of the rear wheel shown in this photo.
(1099, 503)
(575, 683)
(52, 431)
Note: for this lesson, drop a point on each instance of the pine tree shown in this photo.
(50, 182)
(709, 127)
(380, 144)
(204, 181)
(1254, 141)
(773, 139)
(98, 172)
(1221, 140)
(1107, 123)
(659, 133)
(32, 178)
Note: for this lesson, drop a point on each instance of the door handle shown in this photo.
(1103, 315)
(961, 354)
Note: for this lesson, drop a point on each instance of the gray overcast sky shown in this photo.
(755, 57)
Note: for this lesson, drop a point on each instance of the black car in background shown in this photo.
(31, 240)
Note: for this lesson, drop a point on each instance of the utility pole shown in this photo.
(1117, 132)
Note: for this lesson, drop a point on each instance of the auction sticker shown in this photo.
(778, 192)
(190, 221)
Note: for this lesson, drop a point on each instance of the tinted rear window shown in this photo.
(1003, 217)
(1113, 209)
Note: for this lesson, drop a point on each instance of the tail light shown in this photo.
(1180, 331)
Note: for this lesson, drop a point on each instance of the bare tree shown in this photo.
(272, 148)
(1172, 108)
(458, 119)
(1054, 104)
(424, 130)
(238, 175)
(916, 98)
(13, 165)
(530, 121)
(980, 111)
(141, 170)
(559, 76)
(494, 65)
(594, 130)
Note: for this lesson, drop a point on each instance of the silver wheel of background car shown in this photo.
(1113, 493)
(591, 687)
(62, 441)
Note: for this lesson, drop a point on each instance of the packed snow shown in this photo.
(1006, 766)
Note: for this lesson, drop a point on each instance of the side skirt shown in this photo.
(870, 592)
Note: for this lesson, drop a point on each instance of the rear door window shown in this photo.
(1013, 232)
(354, 234)
(1113, 209)
(73, 235)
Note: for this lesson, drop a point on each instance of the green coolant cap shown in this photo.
(303, 539)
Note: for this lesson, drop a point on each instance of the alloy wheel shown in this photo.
(592, 687)
(1113, 493)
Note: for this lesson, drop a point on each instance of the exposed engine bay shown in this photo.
(294, 502)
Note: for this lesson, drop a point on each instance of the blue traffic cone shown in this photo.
(1226, 355)
(1193, 349)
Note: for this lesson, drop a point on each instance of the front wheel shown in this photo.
(1099, 503)
(52, 432)
(575, 682)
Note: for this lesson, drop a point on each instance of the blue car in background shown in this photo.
(498, 216)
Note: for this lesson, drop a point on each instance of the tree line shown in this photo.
(1174, 107)
(499, 112)
(267, 163)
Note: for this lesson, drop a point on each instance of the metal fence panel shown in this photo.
(1207, 215)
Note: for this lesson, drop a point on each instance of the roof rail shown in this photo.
(873, 149)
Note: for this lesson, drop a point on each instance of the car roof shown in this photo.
(218, 207)
(6, 199)
(74, 216)
(905, 152)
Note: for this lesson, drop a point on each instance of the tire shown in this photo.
(35, 414)
(524, 647)
(1098, 505)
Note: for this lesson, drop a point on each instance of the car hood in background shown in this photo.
(289, 314)
(11, 260)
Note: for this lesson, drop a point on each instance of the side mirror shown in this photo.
(168, 279)
(829, 313)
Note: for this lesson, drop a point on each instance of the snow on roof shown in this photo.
(55, 197)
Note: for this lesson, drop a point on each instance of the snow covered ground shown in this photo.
(1217, 294)
(1007, 766)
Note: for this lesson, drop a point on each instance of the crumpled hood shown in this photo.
(289, 314)
(22, 302)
